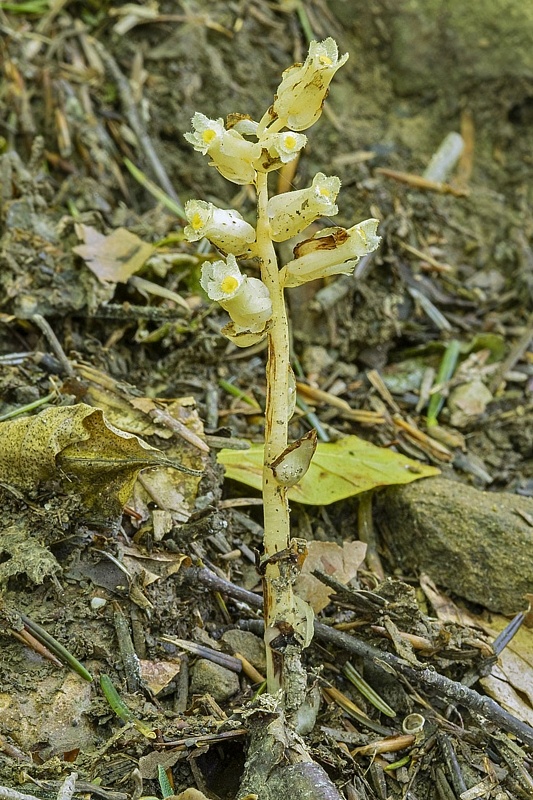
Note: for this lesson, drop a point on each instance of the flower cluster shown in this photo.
(241, 151)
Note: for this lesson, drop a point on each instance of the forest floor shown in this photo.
(425, 352)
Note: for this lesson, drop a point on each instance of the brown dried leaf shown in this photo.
(113, 258)
(342, 562)
(158, 674)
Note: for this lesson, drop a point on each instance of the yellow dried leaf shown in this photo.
(338, 470)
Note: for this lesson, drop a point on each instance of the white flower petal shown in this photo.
(225, 228)
(221, 280)
(247, 300)
(230, 152)
(207, 132)
(279, 148)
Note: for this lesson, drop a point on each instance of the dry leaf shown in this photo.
(154, 566)
(445, 609)
(23, 554)
(173, 491)
(113, 258)
(511, 680)
(158, 674)
(100, 462)
(341, 562)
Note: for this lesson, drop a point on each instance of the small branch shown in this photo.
(427, 678)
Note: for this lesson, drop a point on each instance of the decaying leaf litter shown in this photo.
(146, 350)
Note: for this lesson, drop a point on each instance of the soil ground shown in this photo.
(86, 86)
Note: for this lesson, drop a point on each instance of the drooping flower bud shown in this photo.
(303, 89)
(232, 155)
(247, 300)
(332, 251)
(290, 213)
(225, 228)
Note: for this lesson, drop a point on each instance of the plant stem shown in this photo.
(279, 604)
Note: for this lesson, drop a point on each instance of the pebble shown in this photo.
(248, 645)
(210, 678)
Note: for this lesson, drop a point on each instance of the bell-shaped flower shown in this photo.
(303, 88)
(247, 300)
(230, 152)
(279, 148)
(291, 212)
(225, 228)
(207, 133)
(332, 251)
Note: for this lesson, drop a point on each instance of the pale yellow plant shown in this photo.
(244, 152)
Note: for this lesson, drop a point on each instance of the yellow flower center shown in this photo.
(196, 221)
(229, 284)
(324, 192)
(325, 61)
(208, 135)
(290, 142)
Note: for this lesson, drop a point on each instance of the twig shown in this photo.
(452, 764)
(11, 794)
(367, 535)
(430, 679)
(427, 678)
(177, 427)
(516, 353)
(130, 661)
(53, 341)
(200, 650)
(132, 313)
(418, 182)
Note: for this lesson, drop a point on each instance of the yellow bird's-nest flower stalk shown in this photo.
(275, 502)
(244, 152)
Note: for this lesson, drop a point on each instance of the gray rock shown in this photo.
(209, 678)
(248, 645)
(478, 544)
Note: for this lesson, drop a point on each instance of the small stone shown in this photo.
(467, 401)
(210, 678)
(248, 645)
